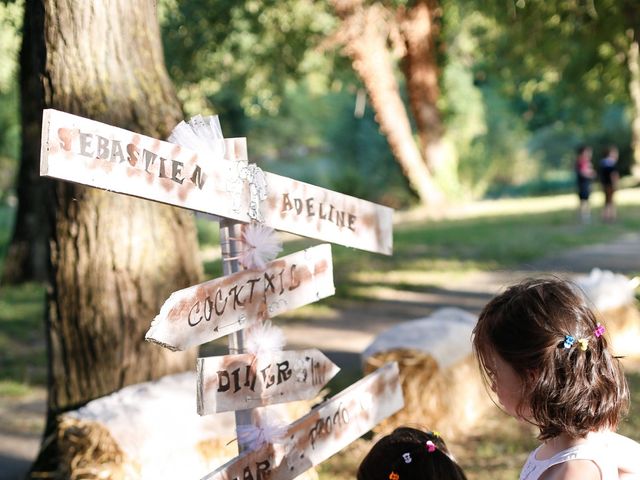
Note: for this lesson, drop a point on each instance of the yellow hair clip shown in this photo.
(584, 343)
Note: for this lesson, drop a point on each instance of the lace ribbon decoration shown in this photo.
(243, 173)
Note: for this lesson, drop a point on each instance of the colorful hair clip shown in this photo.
(431, 447)
(394, 476)
(436, 433)
(569, 341)
(584, 344)
(599, 331)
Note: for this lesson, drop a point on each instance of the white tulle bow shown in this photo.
(263, 337)
(202, 135)
(260, 245)
(270, 430)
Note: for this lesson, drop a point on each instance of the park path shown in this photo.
(347, 331)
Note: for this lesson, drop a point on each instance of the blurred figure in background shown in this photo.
(584, 175)
(608, 170)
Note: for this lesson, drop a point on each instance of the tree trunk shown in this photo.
(633, 62)
(365, 38)
(28, 252)
(419, 31)
(114, 259)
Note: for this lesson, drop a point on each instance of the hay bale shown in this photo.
(613, 296)
(441, 382)
(151, 430)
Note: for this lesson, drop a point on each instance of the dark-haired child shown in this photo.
(410, 454)
(547, 359)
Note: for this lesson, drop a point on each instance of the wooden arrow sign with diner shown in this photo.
(239, 382)
(324, 431)
(100, 155)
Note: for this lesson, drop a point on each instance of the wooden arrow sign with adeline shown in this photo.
(244, 381)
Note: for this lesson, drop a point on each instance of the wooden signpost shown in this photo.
(99, 155)
(237, 382)
(210, 310)
(324, 431)
(93, 153)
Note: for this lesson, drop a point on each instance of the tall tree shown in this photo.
(28, 250)
(114, 259)
(369, 33)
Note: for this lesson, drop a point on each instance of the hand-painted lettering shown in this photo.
(310, 207)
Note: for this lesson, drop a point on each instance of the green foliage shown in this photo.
(318, 139)
(227, 55)
(10, 26)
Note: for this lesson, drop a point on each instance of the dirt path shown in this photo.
(346, 332)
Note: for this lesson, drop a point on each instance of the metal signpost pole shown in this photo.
(230, 231)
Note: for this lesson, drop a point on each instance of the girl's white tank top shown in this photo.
(594, 452)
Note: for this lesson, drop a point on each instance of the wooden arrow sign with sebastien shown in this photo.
(100, 155)
(201, 313)
(321, 433)
(240, 382)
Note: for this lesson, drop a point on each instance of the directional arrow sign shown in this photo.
(240, 382)
(322, 432)
(93, 153)
(213, 309)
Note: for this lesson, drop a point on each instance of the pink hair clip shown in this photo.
(431, 447)
(599, 331)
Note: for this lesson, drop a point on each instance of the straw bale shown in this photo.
(451, 400)
(623, 329)
(89, 452)
(152, 430)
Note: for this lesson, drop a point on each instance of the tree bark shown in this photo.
(419, 31)
(28, 252)
(365, 38)
(114, 259)
(633, 62)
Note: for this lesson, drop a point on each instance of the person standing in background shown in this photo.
(584, 175)
(609, 176)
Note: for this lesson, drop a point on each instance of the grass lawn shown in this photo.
(501, 234)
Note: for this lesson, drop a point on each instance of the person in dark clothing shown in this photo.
(584, 176)
(608, 170)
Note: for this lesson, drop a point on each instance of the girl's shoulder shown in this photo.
(582, 469)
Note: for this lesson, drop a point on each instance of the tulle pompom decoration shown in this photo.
(260, 245)
(202, 135)
(263, 337)
(270, 429)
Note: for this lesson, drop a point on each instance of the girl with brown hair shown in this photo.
(546, 357)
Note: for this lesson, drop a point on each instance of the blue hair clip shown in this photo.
(569, 341)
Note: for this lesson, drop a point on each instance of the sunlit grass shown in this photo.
(22, 352)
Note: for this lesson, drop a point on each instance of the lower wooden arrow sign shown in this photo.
(210, 310)
(325, 430)
(239, 382)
